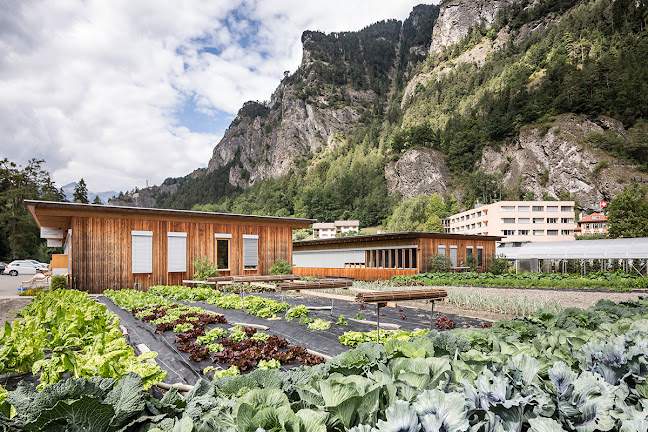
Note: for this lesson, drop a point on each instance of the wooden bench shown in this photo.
(380, 299)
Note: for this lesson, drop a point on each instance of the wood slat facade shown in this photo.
(383, 252)
(101, 241)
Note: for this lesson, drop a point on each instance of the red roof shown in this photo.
(594, 217)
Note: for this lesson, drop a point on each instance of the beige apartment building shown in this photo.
(330, 229)
(518, 222)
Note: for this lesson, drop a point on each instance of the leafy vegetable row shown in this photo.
(78, 335)
(617, 281)
(242, 348)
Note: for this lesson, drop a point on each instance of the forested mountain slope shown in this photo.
(482, 100)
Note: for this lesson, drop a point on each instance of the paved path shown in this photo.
(9, 284)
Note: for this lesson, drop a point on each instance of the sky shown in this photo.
(120, 92)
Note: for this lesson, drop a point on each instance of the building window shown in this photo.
(250, 252)
(478, 214)
(508, 208)
(441, 250)
(538, 232)
(508, 220)
(524, 220)
(223, 250)
(508, 232)
(567, 232)
(566, 208)
(552, 220)
(552, 232)
(523, 232)
(566, 220)
(523, 208)
(453, 256)
(176, 252)
(469, 251)
(142, 251)
(538, 220)
(480, 256)
(538, 208)
(552, 208)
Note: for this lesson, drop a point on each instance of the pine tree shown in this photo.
(81, 192)
(97, 200)
(628, 213)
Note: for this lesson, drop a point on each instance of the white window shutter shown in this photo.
(177, 252)
(250, 250)
(142, 246)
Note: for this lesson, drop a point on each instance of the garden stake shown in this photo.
(377, 322)
(431, 313)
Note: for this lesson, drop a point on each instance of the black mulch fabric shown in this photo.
(326, 342)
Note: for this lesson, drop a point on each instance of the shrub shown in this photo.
(498, 266)
(204, 268)
(440, 263)
(58, 282)
(471, 262)
(281, 267)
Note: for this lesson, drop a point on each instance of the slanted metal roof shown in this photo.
(583, 249)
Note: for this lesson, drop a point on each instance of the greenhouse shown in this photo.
(628, 254)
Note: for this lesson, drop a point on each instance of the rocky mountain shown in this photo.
(105, 196)
(542, 98)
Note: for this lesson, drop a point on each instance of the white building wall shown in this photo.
(519, 221)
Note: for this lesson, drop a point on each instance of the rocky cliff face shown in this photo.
(557, 157)
(458, 16)
(418, 171)
(552, 158)
(265, 145)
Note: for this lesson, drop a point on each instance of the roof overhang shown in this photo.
(59, 215)
(393, 236)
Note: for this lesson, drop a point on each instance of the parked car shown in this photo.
(15, 268)
(39, 265)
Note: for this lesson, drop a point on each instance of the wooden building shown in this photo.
(117, 247)
(381, 256)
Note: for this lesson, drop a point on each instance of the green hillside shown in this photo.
(590, 60)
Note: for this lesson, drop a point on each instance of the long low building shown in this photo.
(381, 256)
(118, 247)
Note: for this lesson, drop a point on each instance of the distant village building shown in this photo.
(381, 256)
(518, 222)
(596, 223)
(330, 229)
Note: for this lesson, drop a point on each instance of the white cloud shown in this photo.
(92, 86)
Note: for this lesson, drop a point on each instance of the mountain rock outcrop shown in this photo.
(418, 171)
(557, 157)
(458, 16)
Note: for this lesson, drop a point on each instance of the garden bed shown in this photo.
(612, 281)
(183, 369)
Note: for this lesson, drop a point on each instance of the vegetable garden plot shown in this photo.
(577, 370)
(188, 352)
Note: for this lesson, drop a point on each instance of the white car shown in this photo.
(15, 268)
(39, 265)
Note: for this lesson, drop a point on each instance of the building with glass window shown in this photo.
(381, 256)
(596, 223)
(110, 247)
(518, 222)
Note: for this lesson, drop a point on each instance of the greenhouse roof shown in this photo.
(583, 249)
